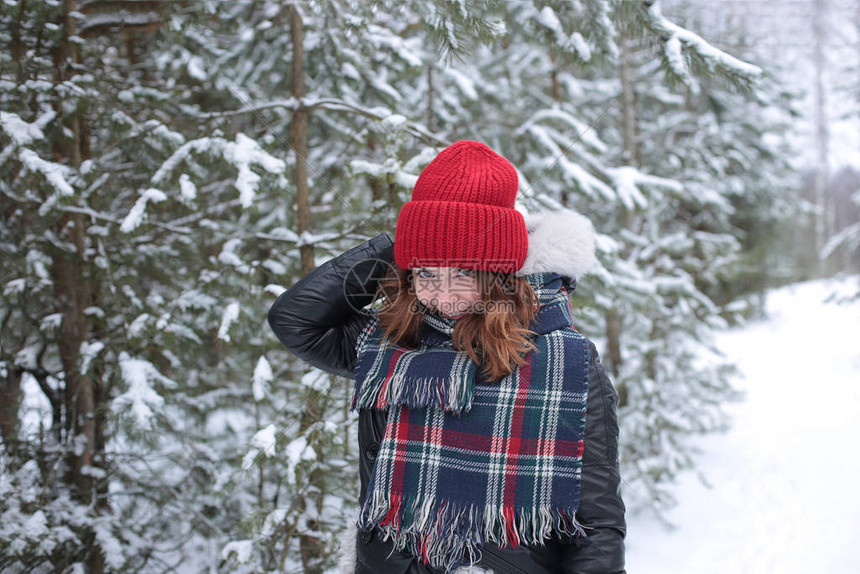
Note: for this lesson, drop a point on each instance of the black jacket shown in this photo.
(319, 320)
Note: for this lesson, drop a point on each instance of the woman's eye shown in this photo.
(424, 274)
(466, 272)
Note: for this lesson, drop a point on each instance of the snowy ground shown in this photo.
(784, 480)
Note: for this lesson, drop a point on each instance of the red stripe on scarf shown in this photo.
(513, 538)
(514, 448)
(391, 516)
(392, 364)
(401, 440)
(424, 557)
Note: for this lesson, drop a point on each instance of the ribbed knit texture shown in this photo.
(462, 214)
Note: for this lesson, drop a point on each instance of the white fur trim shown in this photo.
(348, 551)
(559, 242)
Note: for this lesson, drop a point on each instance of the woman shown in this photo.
(471, 383)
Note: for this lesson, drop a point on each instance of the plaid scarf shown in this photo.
(464, 460)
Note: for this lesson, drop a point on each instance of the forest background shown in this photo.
(167, 168)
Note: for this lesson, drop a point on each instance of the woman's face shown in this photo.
(449, 291)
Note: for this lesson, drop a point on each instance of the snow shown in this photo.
(581, 46)
(261, 444)
(14, 287)
(626, 179)
(111, 548)
(845, 144)
(229, 257)
(547, 18)
(36, 525)
(782, 496)
(273, 520)
(137, 213)
(51, 322)
(264, 440)
(35, 409)
(55, 173)
(242, 154)
(405, 180)
(297, 451)
(140, 398)
(197, 68)
(675, 57)
(262, 379)
(187, 188)
(138, 325)
(695, 42)
(465, 83)
(22, 132)
(557, 119)
(316, 380)
(274, 289)
(89, 351)
(231, 313)
(242, 548)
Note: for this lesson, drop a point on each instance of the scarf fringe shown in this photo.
(448, 536)
(454, 394)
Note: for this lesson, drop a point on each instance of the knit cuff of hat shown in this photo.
(459, 234)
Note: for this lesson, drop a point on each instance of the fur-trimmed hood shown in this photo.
(560, 242)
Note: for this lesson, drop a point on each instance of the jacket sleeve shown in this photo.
(601, 510)
(320, 317)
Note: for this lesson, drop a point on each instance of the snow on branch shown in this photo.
(628, 180)
(22, 132)
(575, 42)
(848, 237)
(262, 379)
(55, 173)
(678, 39)
(231, 313)
(140, 398)
(572, 172)
(556, 118)
(138, 212)
(242, 154)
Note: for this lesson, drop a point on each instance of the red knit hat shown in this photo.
(462, 214)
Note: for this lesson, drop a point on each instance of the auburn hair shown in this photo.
(496, 338)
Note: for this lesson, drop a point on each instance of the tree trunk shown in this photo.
(564, 198)
(74, 292)
(628, 106)
(556, 86)
(430, 119)
(10, 387)
(310, 546)
(629, 118)
(299, 138)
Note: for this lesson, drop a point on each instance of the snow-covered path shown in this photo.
(785, 478)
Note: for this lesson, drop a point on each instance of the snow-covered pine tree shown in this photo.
(63, 323)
